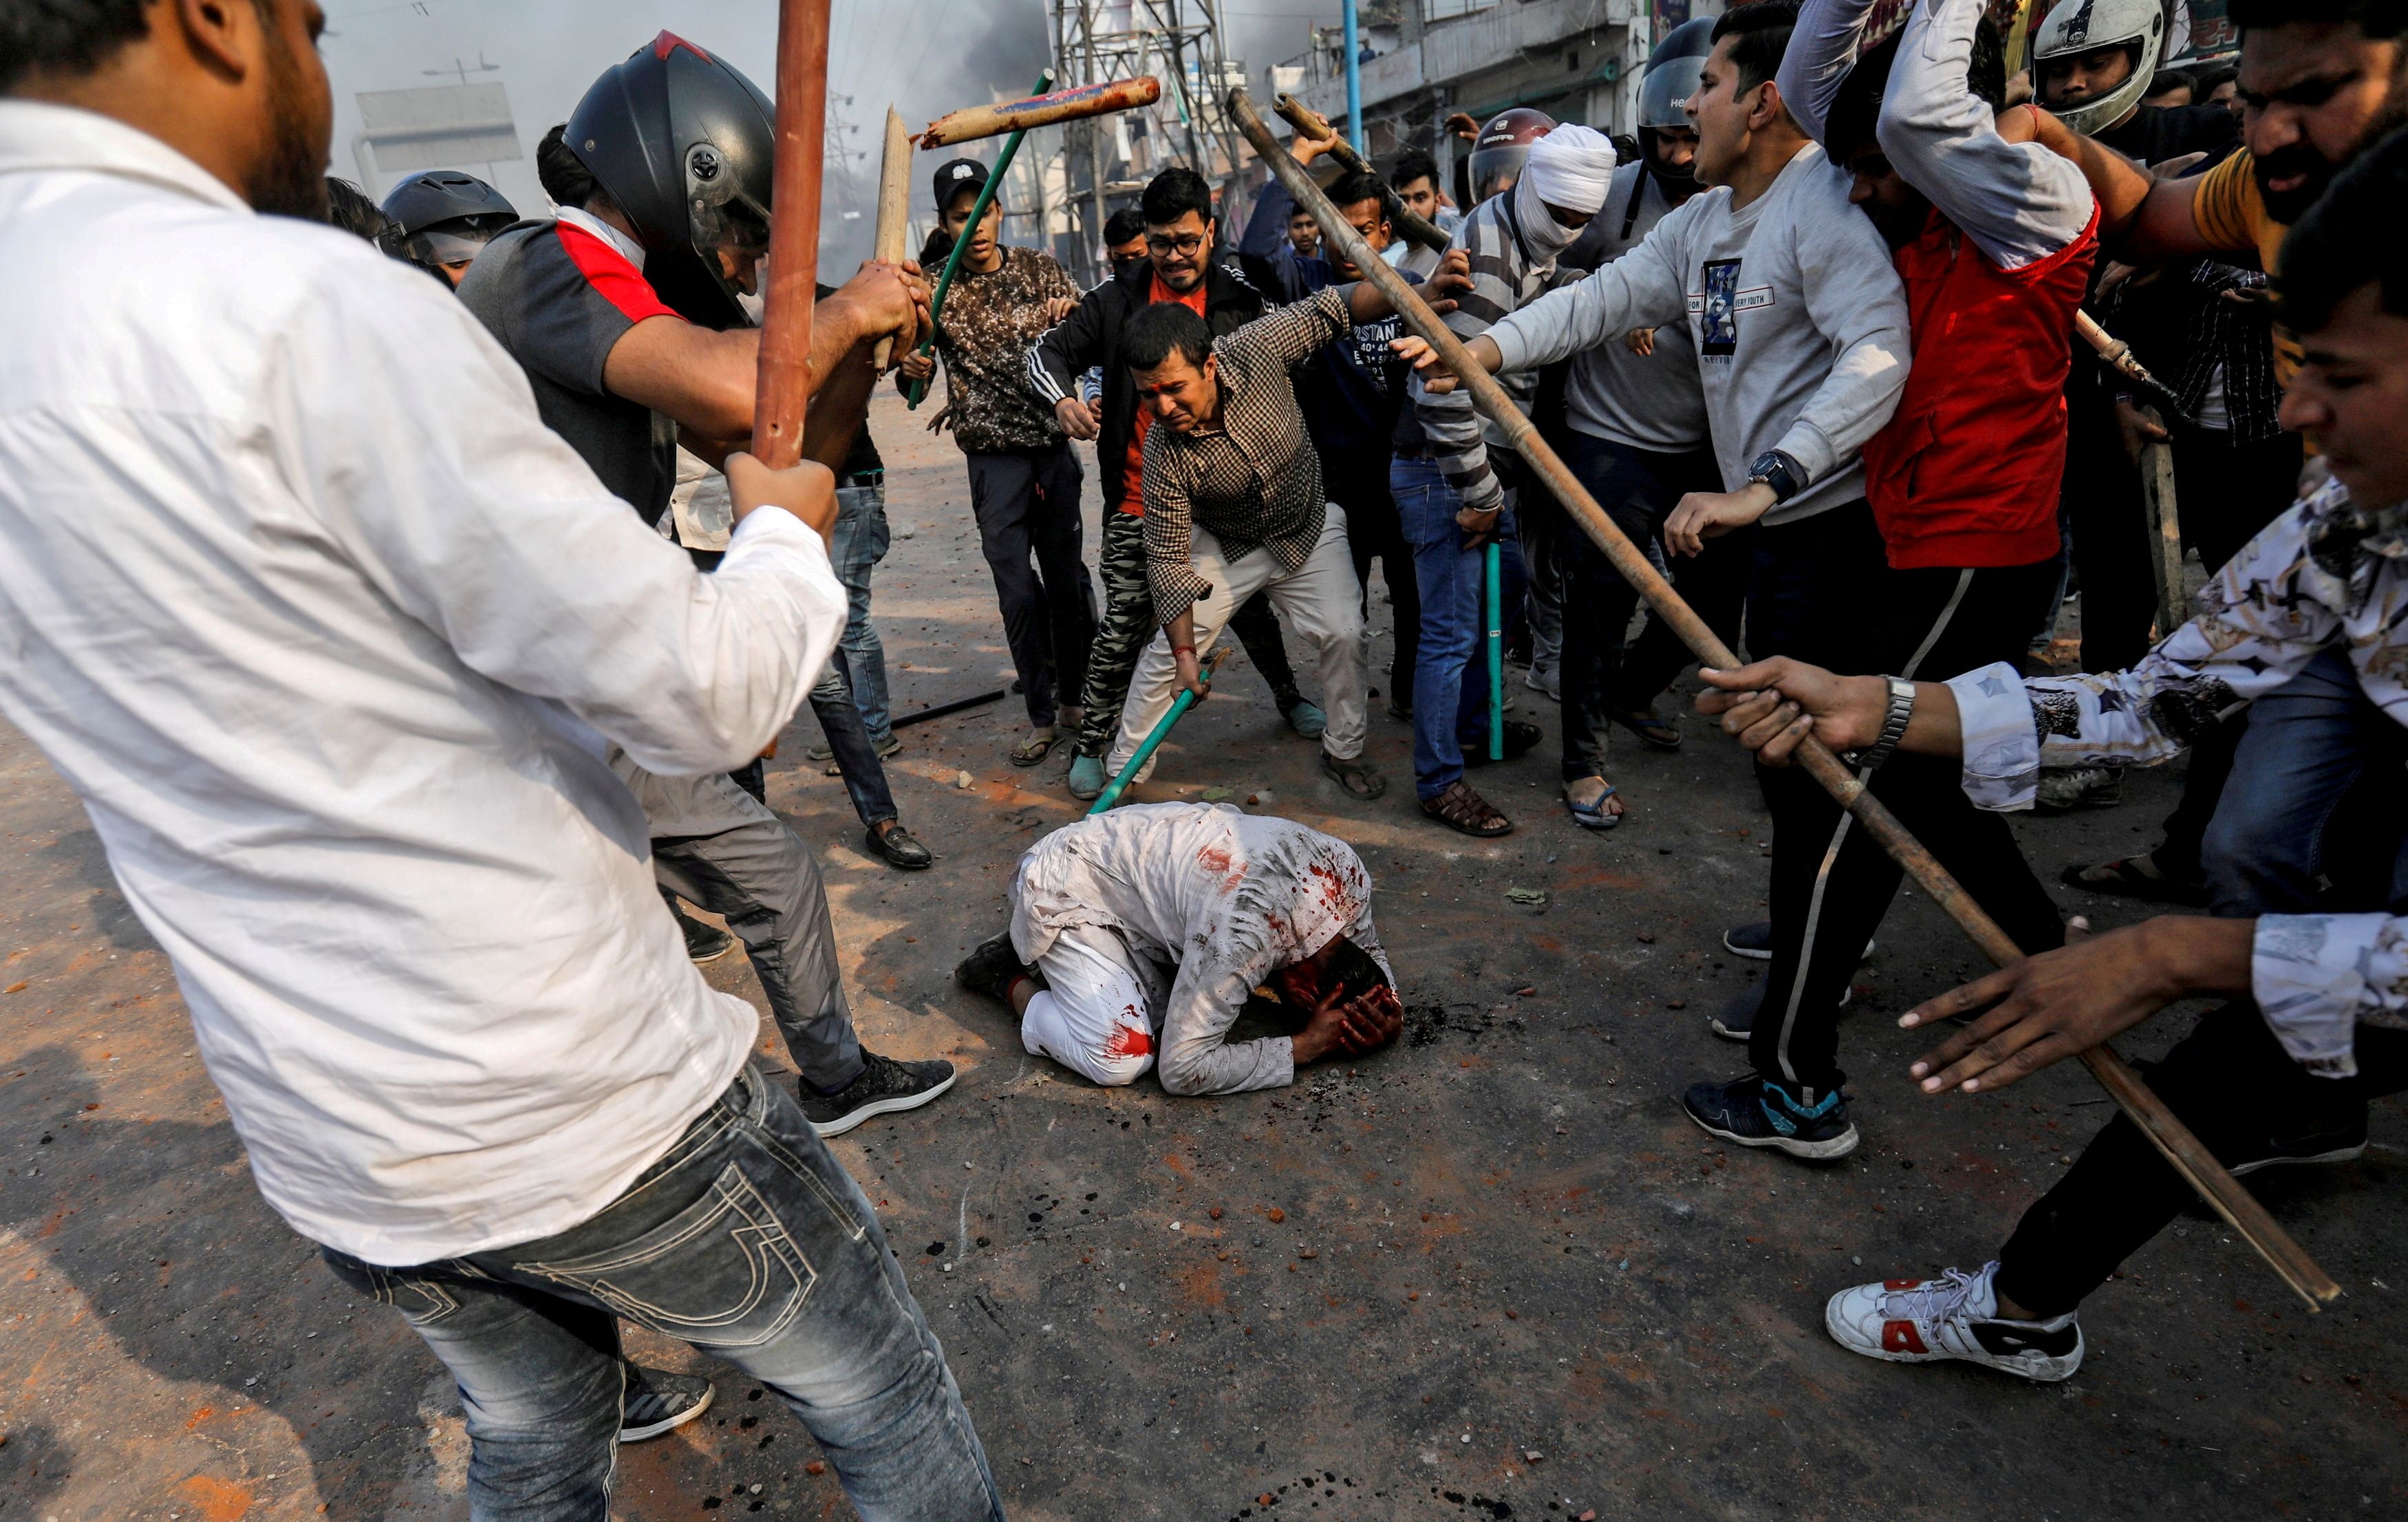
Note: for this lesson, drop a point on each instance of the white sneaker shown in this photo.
(1955, 1317)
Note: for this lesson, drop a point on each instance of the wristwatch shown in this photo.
(1778, 471)
(1902, 707)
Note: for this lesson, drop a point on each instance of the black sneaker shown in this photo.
(1754, 940)
(992, 967)
(2341, 1141)
(1519, 739)
(656, 1402)
(1757, 1112)
(1737, 1020)
(703, 943)
(883, 1087)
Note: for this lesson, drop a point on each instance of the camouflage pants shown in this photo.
(1128, 622)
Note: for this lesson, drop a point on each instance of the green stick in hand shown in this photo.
(1185, 700)
(977, 214)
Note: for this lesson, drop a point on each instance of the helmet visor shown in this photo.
(1495, 169)
(1667, 85)
(454, 243)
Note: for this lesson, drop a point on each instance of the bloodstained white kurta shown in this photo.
(1223, 895)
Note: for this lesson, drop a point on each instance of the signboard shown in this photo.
(440, 127)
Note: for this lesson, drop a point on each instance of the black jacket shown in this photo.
(1091, 335)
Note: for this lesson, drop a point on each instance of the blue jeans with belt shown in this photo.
(746, 1240)
(1451, 670)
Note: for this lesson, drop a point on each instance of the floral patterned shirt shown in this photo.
(984, 336)
(2325, 573)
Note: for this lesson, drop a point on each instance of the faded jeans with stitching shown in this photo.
(746, 1240)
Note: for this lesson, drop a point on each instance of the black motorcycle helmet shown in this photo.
(682, 144)
(1675, 71)
(444, 217)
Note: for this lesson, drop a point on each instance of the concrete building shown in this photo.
(1576, 60)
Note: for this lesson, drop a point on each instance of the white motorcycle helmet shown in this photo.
(2074, 27)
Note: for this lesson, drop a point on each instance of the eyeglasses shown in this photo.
(1186, 244)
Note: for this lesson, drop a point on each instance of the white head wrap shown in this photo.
(1571, 168)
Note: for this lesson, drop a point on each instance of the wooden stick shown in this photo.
(2165, 531)
(783, 388)
(972, 123)
(893, 244)
(1410, 226)
(2197, 1166)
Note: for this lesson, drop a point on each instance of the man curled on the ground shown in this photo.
(1142, 931)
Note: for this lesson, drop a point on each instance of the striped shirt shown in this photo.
(1506, 276)
(1252, 479)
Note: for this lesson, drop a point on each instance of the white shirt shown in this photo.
(327, 631)
(1228, 897)
(2327, 574)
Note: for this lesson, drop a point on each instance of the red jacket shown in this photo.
(1967, 472)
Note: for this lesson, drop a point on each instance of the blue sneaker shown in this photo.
(1754, 1112)
(1307, 719)
(1087, 777)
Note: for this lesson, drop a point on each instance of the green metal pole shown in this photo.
(1495, 569)
(977, 214)
(1111, 794)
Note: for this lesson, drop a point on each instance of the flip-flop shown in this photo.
(1593, 815)
(1359, 779)
(1653, 731)
(2135, 877)
(1037, 747)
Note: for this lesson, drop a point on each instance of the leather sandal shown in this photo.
(1465, 811)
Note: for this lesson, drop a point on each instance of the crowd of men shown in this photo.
(1811, 337)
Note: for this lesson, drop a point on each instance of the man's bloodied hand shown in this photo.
(1350, 1027)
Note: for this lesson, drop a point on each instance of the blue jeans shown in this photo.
(1451, 670)
(858, 542)
(2308, 746)
(747, 1240)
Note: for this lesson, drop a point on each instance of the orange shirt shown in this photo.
(1133, 469)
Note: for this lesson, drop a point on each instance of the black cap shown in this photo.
(954, 176)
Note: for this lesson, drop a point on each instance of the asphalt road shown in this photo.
(1491, 1272)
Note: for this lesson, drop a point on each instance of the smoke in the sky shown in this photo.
(925, 56)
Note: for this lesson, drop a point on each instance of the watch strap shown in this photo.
(1901, 708)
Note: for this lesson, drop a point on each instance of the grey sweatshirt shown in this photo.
(1654, 402)
(1799, 321)
(2018, 202)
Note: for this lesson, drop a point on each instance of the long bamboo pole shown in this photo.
(1413, 228)
(783, 386)
(2164, 1129)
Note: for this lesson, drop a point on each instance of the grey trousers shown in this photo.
(717, 847)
